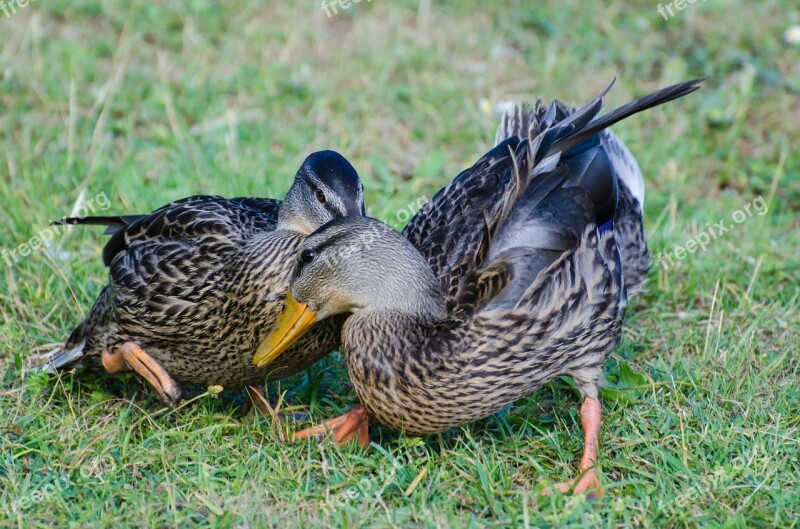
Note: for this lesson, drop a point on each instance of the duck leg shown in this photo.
(353, 426)
(129, 356)
(591, 419)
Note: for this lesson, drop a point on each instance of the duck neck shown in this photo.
(290, 220)
(399, 316)
(292, 215)
(381, 340)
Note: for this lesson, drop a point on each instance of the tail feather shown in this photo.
(113, 223)
(73, 353)
(516, 122)
(558, 129)
(576, 141)
(578, 120)
(659, 97)
(64, 358)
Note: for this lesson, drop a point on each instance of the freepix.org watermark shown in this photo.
(375, 486)
(9, 7)
(96, 469)
(403, 215)
(668, 10)
(12, 256)
(331, 7)
(702, 239)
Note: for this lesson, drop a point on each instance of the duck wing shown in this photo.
(189, 217)
(450, 229)
(564, 182)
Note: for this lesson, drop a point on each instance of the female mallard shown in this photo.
(195, 286)
(510, 277)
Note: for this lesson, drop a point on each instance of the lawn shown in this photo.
(117, 108)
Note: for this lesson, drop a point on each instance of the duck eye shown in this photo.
(306, 256)
(320, 196)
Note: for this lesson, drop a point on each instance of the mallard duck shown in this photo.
(196, 285)
(510, 277)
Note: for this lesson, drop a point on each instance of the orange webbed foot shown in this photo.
(351, 427)
(129, 356)
(587, 481)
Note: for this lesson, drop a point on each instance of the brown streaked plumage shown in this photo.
(511, 276)
(197, 284)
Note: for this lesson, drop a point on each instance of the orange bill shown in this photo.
(292, 323)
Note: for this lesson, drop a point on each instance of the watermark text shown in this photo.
(11, 256)
(713, 231)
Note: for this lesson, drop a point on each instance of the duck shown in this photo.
(195, 286)
(509, 277)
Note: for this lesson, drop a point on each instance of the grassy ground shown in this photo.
(148, 103)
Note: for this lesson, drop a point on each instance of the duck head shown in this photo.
(352, 264)
(325, 187)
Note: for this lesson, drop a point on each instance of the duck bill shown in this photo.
(292, 323)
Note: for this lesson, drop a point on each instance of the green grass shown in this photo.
(152, 102)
